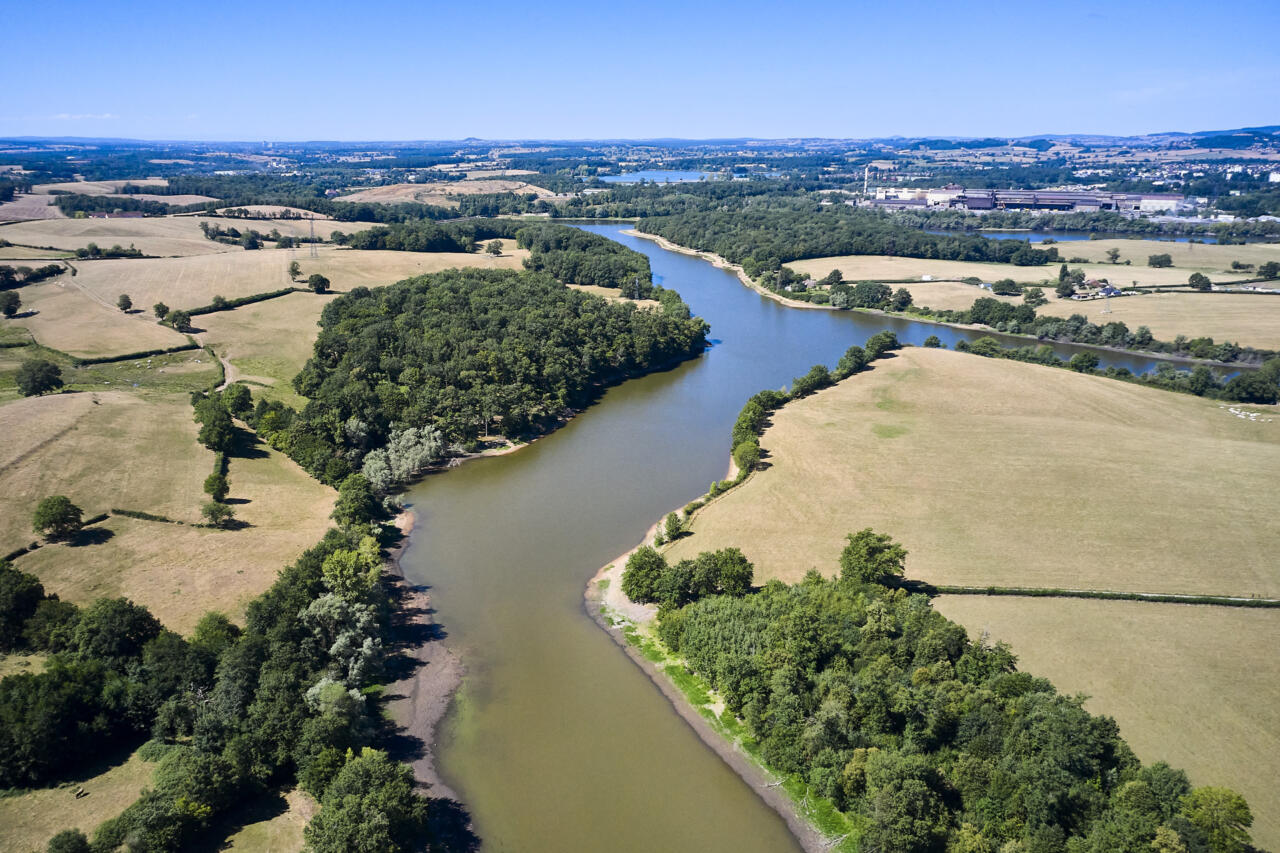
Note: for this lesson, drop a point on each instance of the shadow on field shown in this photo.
(255, 809)
(90, 536)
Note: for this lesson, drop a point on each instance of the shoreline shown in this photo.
(610, 610)
(720, 263)
(418, 702)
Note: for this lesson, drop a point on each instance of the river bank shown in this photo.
(622, 619)
(720, 263)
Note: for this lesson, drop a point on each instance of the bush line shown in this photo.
(228, 304)
(144, 516)
(110, 359)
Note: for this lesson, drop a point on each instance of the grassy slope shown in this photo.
(29, 820)
(153, 464)
(1150, 491)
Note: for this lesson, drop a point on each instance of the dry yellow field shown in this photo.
(86, 323)
(422, 192)
(98, 187)
(163, 236)
(953, 295)
(997, 472)
(30, 820)
(24, 253)
(885, 268)
(29, 206)
(280, 833)
(112, 449)
(1198, 687)
(1205, 257)
(1247, 319)
(193, 281)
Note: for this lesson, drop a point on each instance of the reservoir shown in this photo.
(556, 742)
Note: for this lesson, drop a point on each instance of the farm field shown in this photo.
(440, 190)
(32, 818)
(1245, 318)
(193, 281)
(886, 268)
(176, 373)
(30, 206)
(1198, 687)
(25, 253)
(1188, 257)
(86, 324)
(59, 447)
(98, 187)
(162, 236)
(1165, 485)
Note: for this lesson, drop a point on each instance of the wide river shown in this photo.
(556, 742)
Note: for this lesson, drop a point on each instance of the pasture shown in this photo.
(439, 191)
(1198, 687)
(30, 206)
(180, 372)
(953, 455)
(893, 269)
(1208, 258)
(85, 323)
(30, 819)
(1249, 319)
(113, 449)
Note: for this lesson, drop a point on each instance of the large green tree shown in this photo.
(56, 517)
(369, 807)
(38, 376)
(871, 557)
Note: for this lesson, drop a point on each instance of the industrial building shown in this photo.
(1050, 200)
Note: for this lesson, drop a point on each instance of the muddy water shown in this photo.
(556, 741)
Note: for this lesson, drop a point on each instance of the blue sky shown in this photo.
(562, 70)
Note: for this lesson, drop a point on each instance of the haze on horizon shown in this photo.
(571, 70)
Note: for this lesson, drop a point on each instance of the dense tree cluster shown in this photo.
(426, 236)
(771, 231)
(457, 355)
(925, 739)
(648, 577)
(12, 277)
(580, 257)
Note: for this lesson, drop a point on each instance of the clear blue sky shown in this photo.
(560, 70)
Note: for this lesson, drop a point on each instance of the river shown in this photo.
(556, 742)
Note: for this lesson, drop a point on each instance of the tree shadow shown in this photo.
(235, 524)
(246, 445)
(22, 315)
(254, 809)
(237, 501)
(449, 826)
(90, 536)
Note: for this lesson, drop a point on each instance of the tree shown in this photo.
(1065, 290)
(901, 299)
(934, 342)
(1034, 296)
(356, 504)
(124, 303)
(237, 399)
(180, 320)
(20, 595)
(673, 527)
(69, 841)
(1084, 362)
(640, 578)
(217, 513)
(56, 517)
(37, 376)
(1271, 269)
(1200, 281)
(747, 455)
(295, 270)
(872, 557)
(114, 631)
(494, 248)
(216, 429)
(215, 486)
(9, 303)
(736, 571)
(318, 283)
(370, 805)
(161, 310)
(881, 343)
(1113, 256)
(1006, 287)
(1222, 815)
(853, 360)
(351, 573)
(1160, 261)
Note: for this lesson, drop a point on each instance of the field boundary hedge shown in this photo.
(1107, 595)
(228, 304)
(110, 359)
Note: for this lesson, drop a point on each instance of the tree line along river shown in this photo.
(556, 741)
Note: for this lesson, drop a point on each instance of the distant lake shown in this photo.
(1070, 236)
(657, 176)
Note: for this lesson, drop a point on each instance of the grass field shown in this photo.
(1205, 257)
(23, 253)
(60, 445)
(278, 833)
(162, 236)
(193, 281)
(98, 187)
(14, 664)
(1245, 318)
(997, 472)
(89, 324)
(432, 193)
(30, 206)
(1198, 687)
(29, 820)
(180, 372)
(885, 268)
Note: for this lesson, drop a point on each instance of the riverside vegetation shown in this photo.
(913, 736)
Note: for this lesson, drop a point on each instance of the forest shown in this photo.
(580, 257)
(767, 232)
(464, 354)
(924, 739)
